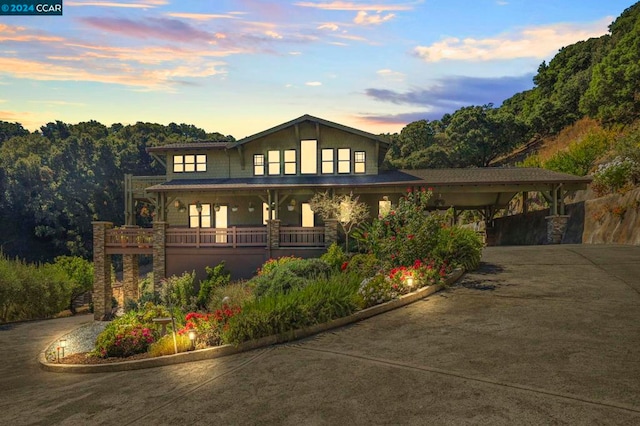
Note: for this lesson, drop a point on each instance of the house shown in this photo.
(247, 201)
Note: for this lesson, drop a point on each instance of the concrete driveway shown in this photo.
(538, 335)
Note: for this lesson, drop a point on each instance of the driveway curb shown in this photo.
(225, 350)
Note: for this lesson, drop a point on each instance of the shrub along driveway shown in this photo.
(538, 335)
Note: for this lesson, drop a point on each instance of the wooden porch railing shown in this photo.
(290, 236)
(217, 237)
(129, 237)
(297, 236)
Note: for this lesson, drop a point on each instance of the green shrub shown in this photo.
(272, 264)
(130, 334)
(164, 345)
(286, 276)
(334, 256)
(236, 294)
(458, 247)
(79, 273)
(276, 313)
(616, 175)
(180, 291)
(378, 289)
(217, 276)
(582, 155)
(365, 265)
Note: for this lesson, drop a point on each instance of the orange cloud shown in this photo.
(342, 5)
(143, 4)
(534, 42)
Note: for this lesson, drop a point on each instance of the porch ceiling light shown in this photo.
(234, 208)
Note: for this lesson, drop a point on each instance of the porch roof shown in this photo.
(503, 179)
(387, 178)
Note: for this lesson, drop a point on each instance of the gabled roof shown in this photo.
(313, 119)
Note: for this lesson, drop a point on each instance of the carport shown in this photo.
(488, 190)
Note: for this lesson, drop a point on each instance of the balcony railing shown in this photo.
(129, 237)
(217, 237)
(290, 236)
(296, 236)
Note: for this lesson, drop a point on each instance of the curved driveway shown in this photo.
(538, 335)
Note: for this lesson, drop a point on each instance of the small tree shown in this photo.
(346, 209)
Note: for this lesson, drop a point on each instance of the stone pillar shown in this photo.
(273, 232)
(101, 272)
(130, 275)
(556, 227)
(330, 232)
(159, 253)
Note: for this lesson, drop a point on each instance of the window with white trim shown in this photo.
(344, 160)
(258, 164)
(359, 162)
(189, 163)
(327, 160)
(289, 161)
(273, 159)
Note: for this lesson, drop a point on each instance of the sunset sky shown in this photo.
(239, 67)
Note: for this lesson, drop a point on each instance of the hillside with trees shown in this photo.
(595, 79)
(57, 180)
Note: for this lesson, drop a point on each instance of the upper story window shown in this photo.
(189, 163)
(290, 162)
(344, 160)
(274, 162)
(258, 165)
(359, 162)
(308, 156)
(327, 160)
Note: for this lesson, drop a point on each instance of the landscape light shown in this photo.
(63, 344)
(192, 337)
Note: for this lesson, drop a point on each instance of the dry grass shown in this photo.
(560, 142)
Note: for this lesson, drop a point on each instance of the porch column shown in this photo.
(130, 274)
(159, 253)
(330, 232)
(273, 232)
(101, 272)
(556, 227)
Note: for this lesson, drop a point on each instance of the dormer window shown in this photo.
(189, 163)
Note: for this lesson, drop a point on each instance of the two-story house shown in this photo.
(247, 201)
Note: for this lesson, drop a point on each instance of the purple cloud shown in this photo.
(157, 28)
(451, 93)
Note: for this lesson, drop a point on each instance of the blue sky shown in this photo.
(240, 67)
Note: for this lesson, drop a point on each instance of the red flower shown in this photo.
(409, 189)
(410, 236)
(344, 266)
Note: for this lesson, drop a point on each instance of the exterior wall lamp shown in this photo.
(198, 206)
(292, 205)
(251, 208)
